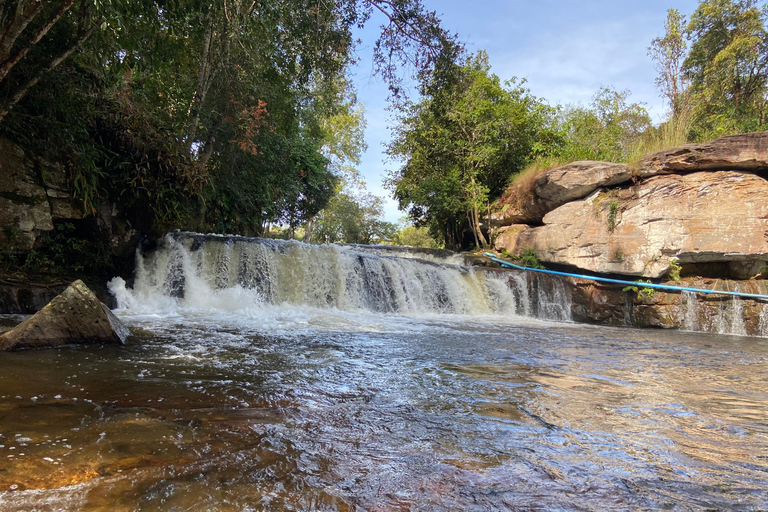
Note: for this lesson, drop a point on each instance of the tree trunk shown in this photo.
(308, 231)
(203, 83)
(475, 220)
(25, 13)
(476, 227)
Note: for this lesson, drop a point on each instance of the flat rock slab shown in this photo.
(743, 152)
(73, 317)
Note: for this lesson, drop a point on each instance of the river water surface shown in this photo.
(283, 406)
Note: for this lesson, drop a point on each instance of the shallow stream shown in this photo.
(283, 406)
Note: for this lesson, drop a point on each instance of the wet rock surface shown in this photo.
(614, 304)
(74, 316)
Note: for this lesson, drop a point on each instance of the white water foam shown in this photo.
(283, 285)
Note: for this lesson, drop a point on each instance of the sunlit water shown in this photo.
(283, 406)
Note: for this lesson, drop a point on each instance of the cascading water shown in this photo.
(235, 273)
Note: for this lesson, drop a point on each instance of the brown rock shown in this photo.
(507, 237)
(75, 316)
(696, 218)
(525, 210)
(577, 180)
(743, 152)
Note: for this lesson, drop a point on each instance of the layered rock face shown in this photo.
(595, 302)
(35, 195)
(25, 209)
(74, 316)
(697, 204)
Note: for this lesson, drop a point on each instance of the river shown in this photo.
(289, 390)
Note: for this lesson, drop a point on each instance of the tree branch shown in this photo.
(6, 66)
(21, 19)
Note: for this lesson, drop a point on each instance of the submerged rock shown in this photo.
(75, 316)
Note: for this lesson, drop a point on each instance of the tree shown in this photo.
(460, 144)
(608, 129)
(412, 236)
(352, 219)
(223, 115)
(23, 24)
(728, 64)
(670, 52)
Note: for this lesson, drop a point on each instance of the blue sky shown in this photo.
(566, 50)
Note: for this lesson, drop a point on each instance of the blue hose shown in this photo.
(507, 264)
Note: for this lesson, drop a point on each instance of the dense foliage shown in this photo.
(225, 115)
(713, 67)
(459, 145)
(469, 136)
(351, 219)
(232, 115)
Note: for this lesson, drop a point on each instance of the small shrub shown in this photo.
(613, 209)
(642, 292)
(674, 269)
(527, 258)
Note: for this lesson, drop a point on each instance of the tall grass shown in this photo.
(521, 185)
(677, 131)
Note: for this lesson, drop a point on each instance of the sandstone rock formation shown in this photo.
(743, 152)
(35, 195)
(75, 316)
(699, 217)
(578, 179)
(528, 209)
(24, 208)
(699, 204)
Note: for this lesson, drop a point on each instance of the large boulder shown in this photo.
(507, 238)
(75, 316)
(524, 209)
(697, 218)
(574, 181)
(577, 180)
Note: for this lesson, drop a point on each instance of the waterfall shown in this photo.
(232, 273)
(731, 319)
(689, 311)
(239, 274)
